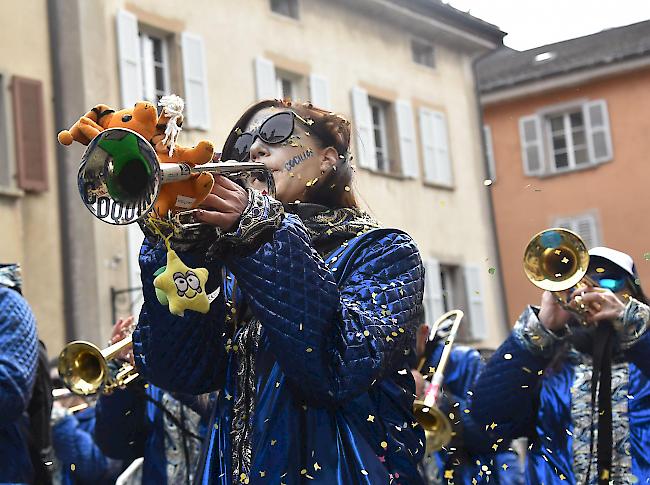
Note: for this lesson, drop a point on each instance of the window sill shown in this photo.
(435, 185)
(286, 18)
(559, 173)
(11, 192)
(390, 175)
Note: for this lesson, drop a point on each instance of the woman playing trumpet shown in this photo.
(308, 340)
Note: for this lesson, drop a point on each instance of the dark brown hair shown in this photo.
(334, 188)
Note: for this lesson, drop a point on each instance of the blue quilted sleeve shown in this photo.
(340, 340)
(503, 404)
(181, 354)
(18, 355)
(638, 354)
(74, 445)
(120, 430)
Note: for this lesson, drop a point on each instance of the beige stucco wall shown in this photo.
(29, 223)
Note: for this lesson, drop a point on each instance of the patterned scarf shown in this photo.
(10, 276)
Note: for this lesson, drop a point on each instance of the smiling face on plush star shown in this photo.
(295, 163)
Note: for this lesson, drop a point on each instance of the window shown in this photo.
(155, 66)
(6, 142)
(561, 140)
(423, 53)
(584, 225)
(450, 286)
(379, 116)
(288, 8)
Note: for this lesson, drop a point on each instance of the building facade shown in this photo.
(400, 70)
(567, 131)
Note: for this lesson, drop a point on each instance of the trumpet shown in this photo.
(557, 260)
(120, 177)
(437, 426)
(84, 368)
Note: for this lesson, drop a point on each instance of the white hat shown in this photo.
(622, 260)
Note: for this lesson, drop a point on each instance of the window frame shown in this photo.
(381, 128)
(293, 7)
(568, 134)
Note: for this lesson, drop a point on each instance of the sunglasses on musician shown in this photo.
(276, 129)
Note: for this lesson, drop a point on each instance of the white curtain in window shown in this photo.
(128, 48)
(407, 146)
(319, 91)
(195, 79)
(532, 152)
(366, 154)
(265, 83)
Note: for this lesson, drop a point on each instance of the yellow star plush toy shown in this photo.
(183, 286)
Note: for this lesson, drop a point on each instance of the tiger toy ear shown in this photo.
(88, 126)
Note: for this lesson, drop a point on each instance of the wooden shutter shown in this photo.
(475, 302)
(599, 138)
(265, 79)
(195, 81)
(29, 128)
(433, 303)
(406, 131)
(128, 47)
(532, 153)
(366, 146)
(319, 91)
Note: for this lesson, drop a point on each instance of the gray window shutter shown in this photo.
(598, 133)
(489, 153)
(475, 302)
(407, 147)
(319, 91)
(29, 127)
(265, 79)
(195, 80)
(366, 153)
(128, 47)
(532, 153)
(7, 167)
(433, 303)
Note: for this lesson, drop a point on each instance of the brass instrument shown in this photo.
(84, 369)
(437, 426)
(557, 260)
(120, 177)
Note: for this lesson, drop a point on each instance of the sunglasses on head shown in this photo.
(275, 129)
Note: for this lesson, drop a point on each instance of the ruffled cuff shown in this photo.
(534, 336)
(262, 215)
(632, 323)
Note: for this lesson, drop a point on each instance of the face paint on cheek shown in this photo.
(297, 160)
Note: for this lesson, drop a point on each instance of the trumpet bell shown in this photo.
(82, 368)
(119, 176)
(556, 259)
(437, 427)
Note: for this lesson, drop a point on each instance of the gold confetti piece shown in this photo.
(487, 182)
(493, 425)
(604, 474)
(363, 472)
(309, 349)
(366, 333)
(216, 426)
(277, 384)
(507, 356)
(262, 474)
(384, 445)
(466, 411)
(73, 467)
(273, 442)
(449, 473)
(317, 466)
(303, 471)
(228, 397)
(347, 188)
(371, 418)
(562, 477)
(495, 447)
(504, 466)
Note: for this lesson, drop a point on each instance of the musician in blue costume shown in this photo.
(309, 337)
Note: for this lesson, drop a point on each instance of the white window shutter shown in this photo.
(433, 303)
(441, 142)
(195, 80)
(148, 71)
(475, 302)
(366, 146)
(489, 152)
(406, 131)
(128, 48)
(598, 133)
(319, 91)
(428, 145)
(532, 153)
(265, 79)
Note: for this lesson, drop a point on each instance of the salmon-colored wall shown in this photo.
(619, 191)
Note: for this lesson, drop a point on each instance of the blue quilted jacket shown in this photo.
(516, 395)
(333, 394)
(73, 441)
(18, 358)
(467, 458)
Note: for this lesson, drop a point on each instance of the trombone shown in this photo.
(437, 426)
(120, 177)
(84, 368)
(557, 260)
